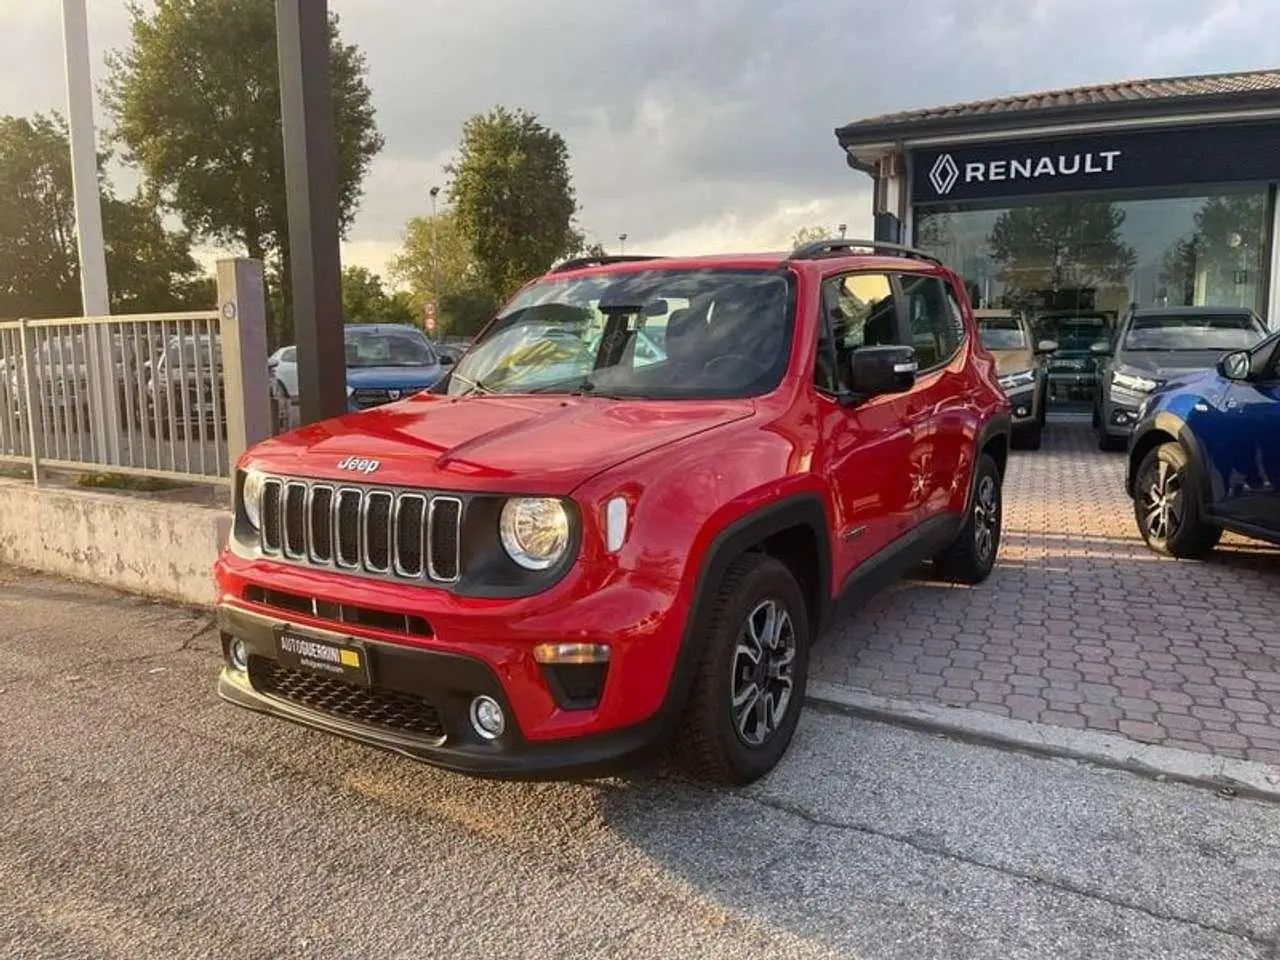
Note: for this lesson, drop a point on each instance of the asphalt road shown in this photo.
(144, 818)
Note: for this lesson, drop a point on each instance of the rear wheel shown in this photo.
(1166, 505)
(750, 684)
(972, 556)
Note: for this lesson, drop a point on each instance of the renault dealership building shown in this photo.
(1088, 201)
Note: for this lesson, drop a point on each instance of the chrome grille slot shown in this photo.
(320, 523)
(377, 531)
(443, 524)
(272, 528)
(348, 526)
(404, 534)
(410, 521)
(295, 520)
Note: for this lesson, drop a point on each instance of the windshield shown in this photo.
(1002, 334)
(184, 357)
(388, 348)
(1194, 332)
(671, 334)
(1075, 334)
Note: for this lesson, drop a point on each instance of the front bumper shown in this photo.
(418, 705)
(1024, 401)
(1118, 419)
(446, 649)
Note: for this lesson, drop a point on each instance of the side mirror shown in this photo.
(874, 371)
(1236, 366)
(1100, 349)
(446, 360)
(1047, 346)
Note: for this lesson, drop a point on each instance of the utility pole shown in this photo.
(95, 300)
(311, 185)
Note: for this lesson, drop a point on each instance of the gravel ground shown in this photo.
(145, 819)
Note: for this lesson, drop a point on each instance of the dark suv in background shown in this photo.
(1155, 345)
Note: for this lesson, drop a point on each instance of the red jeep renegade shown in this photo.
(624, 516)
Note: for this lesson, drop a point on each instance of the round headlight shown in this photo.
(251, 493)
(534, 531)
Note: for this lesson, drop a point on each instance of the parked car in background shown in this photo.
(1205, 455)
(523, 580)
(1073, 374)
(385, 362)
(1021, 362)
(184, 389)
(1154, 345)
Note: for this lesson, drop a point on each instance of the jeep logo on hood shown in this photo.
(359, 465)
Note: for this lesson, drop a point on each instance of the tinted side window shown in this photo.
(934, 319)
(860, 312)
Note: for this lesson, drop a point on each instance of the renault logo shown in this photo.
(944, 174)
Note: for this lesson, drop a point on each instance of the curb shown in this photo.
(1231, 777)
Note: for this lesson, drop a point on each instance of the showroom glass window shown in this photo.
(1100, 255)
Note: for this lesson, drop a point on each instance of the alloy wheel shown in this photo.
(762, 672)
(986, 518)
(1162, 501)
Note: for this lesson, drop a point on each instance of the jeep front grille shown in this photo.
(407, 534)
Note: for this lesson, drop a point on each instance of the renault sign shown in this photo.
(1237, 153)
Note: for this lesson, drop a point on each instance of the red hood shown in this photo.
(536, 445)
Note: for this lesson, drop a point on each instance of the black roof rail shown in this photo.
(825, 248)
(578, 262)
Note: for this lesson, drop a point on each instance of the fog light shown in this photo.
(1022, 411)
(487, 718)
(238, 654)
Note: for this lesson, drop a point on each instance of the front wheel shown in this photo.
(972, 556)
(1166, 505)
(750, 683)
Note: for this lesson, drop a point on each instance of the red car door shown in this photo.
(865, 446)
(939, 407)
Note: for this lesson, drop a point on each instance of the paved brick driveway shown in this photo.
(1081, 625)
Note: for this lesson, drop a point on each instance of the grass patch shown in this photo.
(122, 481)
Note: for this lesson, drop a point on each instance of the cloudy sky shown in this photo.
(695, 125)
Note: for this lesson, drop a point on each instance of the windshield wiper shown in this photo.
(475, 385)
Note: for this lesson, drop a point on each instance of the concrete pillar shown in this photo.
(242, 303)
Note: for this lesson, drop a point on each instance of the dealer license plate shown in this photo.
(347, 660)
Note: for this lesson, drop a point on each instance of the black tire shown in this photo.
(1029, 437)
(1111, 444)
(972, 555)
(1097, 419)
(1166, 506)
(709, 744)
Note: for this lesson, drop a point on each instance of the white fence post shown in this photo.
(30, 396)
(242, 303)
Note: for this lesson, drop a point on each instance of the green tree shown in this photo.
(809, 235)
(149, 267)
(1071, 244)
(366, 300)
(437, 265)
(513, 197)
(196, 102)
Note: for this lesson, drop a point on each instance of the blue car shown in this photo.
(385, 362)
(1205, 455)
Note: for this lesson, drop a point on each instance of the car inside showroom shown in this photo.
(1073, 208)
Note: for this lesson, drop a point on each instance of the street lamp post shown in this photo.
(95, 301)
(435, 262)
(622, 244)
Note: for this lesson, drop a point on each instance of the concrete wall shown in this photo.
(162, 550)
